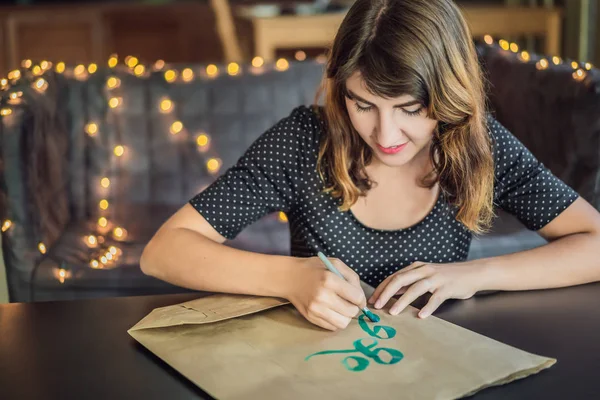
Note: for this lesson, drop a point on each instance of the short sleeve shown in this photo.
(524, 187)
(265, 179)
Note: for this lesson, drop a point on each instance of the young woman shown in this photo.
(392, 177)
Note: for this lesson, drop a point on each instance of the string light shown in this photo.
(91, 129)
(139, 70)
(119, 233)
(6, 225)
(112, 250)
(187, 75)
(14, 75)
(113, 82)
(233, 69)
(108, 256)
(166, 105)
(514, 47)
(158, 65)
(574, 65)
(525, 56)
(131, 61)
(5, 112)
(36, 70)
(45, 65)
(102, 222)
(556, 60)
(113, 61)
(26, 63)
(504, 44)
(119, 150)
(300, 55)
(282, 64)
(91, 241)
(62, 275)
(283, 217)
(60, 67)
(115, 102)
(105, 182)
(258, 62)
(103, 204)
(213, 165)
(203, 140)
(4, 82)
(79, 70)
(176, 127)
(212, 70)
(488, 39)
(40, 85)
(94, 264)
(42, 248)
(103, 260)
(171, 75)
(542, 64)
(92, 68)
(579, 75)
(588, 66)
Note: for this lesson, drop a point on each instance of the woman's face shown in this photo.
(397, 129)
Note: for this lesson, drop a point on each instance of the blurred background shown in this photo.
(114, 114)
(184, 31)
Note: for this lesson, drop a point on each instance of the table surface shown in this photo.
(81, 350)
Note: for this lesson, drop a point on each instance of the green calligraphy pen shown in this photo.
(368, 313)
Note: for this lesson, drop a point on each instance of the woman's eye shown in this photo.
(362, 109)
(413, 112)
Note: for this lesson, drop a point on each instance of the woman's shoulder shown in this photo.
(302, 127)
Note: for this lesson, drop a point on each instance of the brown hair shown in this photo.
(422, 48)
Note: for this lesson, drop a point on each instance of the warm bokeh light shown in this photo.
(170, 75)
(283, 217)
(60, 67)
(91, 129)
(187, 75)
(103, 204)
(119, 150)
(166, 105)
(213, 165)
(258, 62)
(488, 39)
(92, 68)
(233, 69)
(105, 182)
(113, 82)
(42, 248)
(176, 127)
(102, 222)
(6, 225)
(212, 70)
(282, 64)
(115, 102)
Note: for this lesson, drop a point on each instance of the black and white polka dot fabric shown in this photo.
(278, 173)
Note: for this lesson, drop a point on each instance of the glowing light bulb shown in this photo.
(113, 82)
(166, 105)
(170, 76)
(5, 112)
(202, 140)
(119, 150)
(105, 182)
(176, 127)
(300, 55)
(139, 70)
(131, 61)
(187, 75)
(233, 69)
(159, 64)
(488, 39)
(115, 102)
(514, 47)
(26, 63)
(258, 62)
(103, 204)
(102, 222)
(60, 67)
(504, 44)
(212, 70)
(556, 60)
(213, 165)
(91, 129)
(94, 264)
(113, 61)
(42, 248)
(283, 217)
(525, 56)
(6, 225)
(282, 64)
(92, 68)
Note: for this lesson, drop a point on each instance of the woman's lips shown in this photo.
(393, 149)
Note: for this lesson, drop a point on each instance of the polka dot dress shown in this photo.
(278, 173)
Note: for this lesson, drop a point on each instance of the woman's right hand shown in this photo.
(321, 296)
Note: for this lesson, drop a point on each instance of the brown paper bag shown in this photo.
(226, 346)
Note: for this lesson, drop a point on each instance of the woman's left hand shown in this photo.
(444, 281)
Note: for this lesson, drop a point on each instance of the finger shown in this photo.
(322, 323)
(382, 285)
(417, 289)
(343, 307)
(399, 281)
(380, 289)
(434, 302)
(334, 318)
(349, 274)
(345, 290)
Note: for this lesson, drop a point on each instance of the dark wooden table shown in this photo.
(81, 350)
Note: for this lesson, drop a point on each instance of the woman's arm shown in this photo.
(572, 257)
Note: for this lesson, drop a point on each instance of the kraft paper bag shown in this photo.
(245, 347)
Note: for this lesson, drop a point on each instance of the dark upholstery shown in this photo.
(555, 115)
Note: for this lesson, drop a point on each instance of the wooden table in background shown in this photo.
(306, 31)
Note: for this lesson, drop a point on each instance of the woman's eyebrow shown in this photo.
(354, 96)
